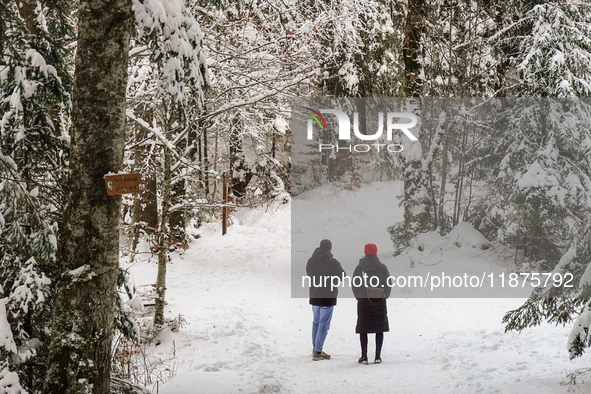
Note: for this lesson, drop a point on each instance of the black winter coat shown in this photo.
(372, 314)
(319, 266)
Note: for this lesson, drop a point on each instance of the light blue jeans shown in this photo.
(321, 324)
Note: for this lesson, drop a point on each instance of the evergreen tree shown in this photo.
(416, 200)
(550, 49)
(34, 118)
(553, 58)
(359, 47)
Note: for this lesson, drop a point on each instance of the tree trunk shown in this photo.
(205, 161)
(80, 350)
(417, 204)
(215, 167)
(536, 243)
(2, 37)
(412, 47)
(177, 218)
(504, 62)
(199, 157)
(460, 182)
(27, 11)
(163, 242)
(145, 207)
(442, 223)
(239, 171)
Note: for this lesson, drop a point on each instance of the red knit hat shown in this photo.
(371, 250)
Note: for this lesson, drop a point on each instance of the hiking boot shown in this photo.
(363, 360)
(378, 360)
(320, 356)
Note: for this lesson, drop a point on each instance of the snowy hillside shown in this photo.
(245, 334)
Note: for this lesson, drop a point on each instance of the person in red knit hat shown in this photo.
(370, 287)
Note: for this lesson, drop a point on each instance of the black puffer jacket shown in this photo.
(372, 314)
(319, 266)
(372, 267)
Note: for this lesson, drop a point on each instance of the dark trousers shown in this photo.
(379, 341)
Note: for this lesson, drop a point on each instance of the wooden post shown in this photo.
(224, 208)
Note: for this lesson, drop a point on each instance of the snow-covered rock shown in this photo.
(463, 234)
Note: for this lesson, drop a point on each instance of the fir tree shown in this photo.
(553, 58)
(34, 118)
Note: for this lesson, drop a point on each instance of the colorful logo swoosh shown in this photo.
(316, 115)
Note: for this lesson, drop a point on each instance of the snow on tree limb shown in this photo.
(6, 340)
(175, 40)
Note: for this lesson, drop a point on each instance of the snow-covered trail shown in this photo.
(245, 334)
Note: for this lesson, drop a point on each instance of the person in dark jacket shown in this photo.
(323, 298)
(370, 287)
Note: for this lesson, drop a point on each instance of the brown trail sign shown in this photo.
(123, 183)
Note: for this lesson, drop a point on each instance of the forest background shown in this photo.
(207, 90)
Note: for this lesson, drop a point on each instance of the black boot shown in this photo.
(379, 343)
(363, 340)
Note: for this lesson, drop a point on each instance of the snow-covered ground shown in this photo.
(245, 334)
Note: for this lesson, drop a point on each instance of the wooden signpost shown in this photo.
(123, 183)
(226, 180)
